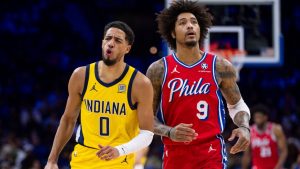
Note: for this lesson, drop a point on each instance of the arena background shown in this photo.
(43, 41)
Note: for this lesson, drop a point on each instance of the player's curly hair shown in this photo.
(260, 108)
(167, 18)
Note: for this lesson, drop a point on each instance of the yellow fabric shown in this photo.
(106, 119)
(144, 160)
(85, 158)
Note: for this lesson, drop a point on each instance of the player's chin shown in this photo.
(191, 42)
(108, 62)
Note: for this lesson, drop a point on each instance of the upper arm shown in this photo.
(280, 137)
(226, 75)
(143, 94)
(155, 73)
(75, 88)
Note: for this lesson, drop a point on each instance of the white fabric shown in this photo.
(239, 106)
(139, 166)
(142, 140)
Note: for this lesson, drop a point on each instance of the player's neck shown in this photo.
(108, 74)
(262, 127)
(189, 55)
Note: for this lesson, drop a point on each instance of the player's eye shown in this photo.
(107, 38)
(194, 22)
(181, 22)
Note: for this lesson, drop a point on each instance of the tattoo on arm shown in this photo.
(242, 119)
(155, 73)
(160, 128)
(226, 76)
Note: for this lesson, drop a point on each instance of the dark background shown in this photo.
(43, 41)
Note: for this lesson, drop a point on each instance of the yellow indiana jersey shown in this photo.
(108, 117)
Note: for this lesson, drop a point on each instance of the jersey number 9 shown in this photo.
(202, 108)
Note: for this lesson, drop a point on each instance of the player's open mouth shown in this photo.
(190, 34)
(108, 52)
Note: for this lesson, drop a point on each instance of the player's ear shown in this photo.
(173, 34)
(128, 49)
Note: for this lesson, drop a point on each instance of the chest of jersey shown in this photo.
(190, 94)
(107, 113)
(264, 146)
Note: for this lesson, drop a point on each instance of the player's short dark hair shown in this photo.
(261, 108)
(167, 18)
(129, 34)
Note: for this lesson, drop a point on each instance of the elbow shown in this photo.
(67, 120)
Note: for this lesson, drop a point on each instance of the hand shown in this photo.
(278, 167)
(243, 142)
(107, 152)
(183, 133)
(51, 165)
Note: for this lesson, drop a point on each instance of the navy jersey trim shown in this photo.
(221, 110)
(86, 80)
(189, 66)
(132, 106)
(113, 82)
(223, 151)
(88, 146)
(160, 114)
(81, 138)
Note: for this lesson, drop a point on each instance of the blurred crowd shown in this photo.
(42, 42)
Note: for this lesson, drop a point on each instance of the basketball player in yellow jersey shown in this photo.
(115, 105)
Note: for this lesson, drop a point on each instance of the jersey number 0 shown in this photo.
(104, 126)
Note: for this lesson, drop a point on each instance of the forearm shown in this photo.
(142, 140)
(242, 119)
(161, 129)
(282, 158)
(245, 160)
(62, 136)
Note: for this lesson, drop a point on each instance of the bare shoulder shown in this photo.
(155, 72)
(80, 72)
(277, 129)
(141, 88)
(141, 81)
(224, 70)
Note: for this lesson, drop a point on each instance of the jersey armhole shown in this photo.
(86, 80)
(132, 106)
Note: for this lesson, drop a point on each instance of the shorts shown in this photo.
(210, 154)
(86, 158)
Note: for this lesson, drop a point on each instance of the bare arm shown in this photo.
(155, 73)
(143, 94)
(246, 158)
(281, 141)
(69, 118)
(181, 132)
(226, 76)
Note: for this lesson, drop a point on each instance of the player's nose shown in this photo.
(189, 25)
(111, 44)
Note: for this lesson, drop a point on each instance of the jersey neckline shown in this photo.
(189, 66)
(113, 82)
